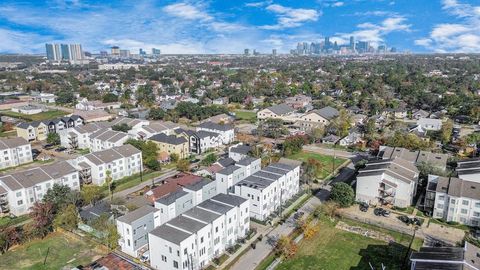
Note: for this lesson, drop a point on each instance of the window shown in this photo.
(452, 201)
(164, 258)
(178, 253)
(19, 194)
(476, 214)
(216, 229)
(465, 202)
(463, 211)
(170, 250)
(19, 202)
(201, 239)
(175, 264)
(185, 252)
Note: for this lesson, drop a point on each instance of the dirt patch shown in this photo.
(365, 232)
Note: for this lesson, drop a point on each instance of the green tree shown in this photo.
(121, 127)
(209, 159)
(65, 97)
(57, 195)
(91, 193)
(67, 218)
(183, 165)
(53, 138)
(446, 131)
(343, 194)
(107, 98)
(156, 114)
(112, 236)
(109, 183)
(174, 157)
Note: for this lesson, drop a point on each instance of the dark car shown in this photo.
(60, 149)
(48, 146)
(385, 213)
(404, 219)
(378, 211)
(363, 207)
(298, 215)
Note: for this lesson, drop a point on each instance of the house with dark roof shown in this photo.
(201, 140)
(280, 111)
(453, 199)
(171, 144)
(317, 118)
(226, 132)
(38, 130)
(391, 181)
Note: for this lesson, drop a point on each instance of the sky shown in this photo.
(230, 26)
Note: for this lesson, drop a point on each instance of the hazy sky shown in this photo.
(229, 26)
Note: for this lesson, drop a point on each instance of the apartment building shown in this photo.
(38, 130)
(120, 161)
(14, 152)
(79, 137)
(134, 227)
(454, 199)
(105, 139)
(193, 239)
(280, 111)
(201, 141)
(268, 189)
(133, 123)
(229, 176)
(317, 118)
(391, 181)
(153, 128)
(171, 144)
(20, 190)
(239, 151)
(227, 132)
(438, 160)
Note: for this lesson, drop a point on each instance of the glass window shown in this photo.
(464, 211)
(465, 202)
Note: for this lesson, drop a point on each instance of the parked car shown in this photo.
(385, 213)
(381, 212)
(60, 149)
(145, 257)
(363, 206)
(48, 146)
(298, 215)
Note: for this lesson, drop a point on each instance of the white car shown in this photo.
(145, 257)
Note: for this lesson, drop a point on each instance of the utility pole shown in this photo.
(409, 247)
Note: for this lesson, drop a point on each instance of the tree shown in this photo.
(183, 165)
(109, 97)
(109, 183)
(57, 195)
(156, 114)
(446, 131)
(209, 159)
(42, 215)
(152, 163)
(308, 228)
(272, 128)
(317, 134)
(123, 127)
(91, 193)
(53, 138)
(312, 168)
(67, 218)
(174, 157)
(149, 152)
(343, 194)
(285, 247)
(65, 97)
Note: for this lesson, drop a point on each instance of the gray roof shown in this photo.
(229, 170)
(225, 162)
(187, 224)
(213, 126)
(136, 214)
(468, 166)
(285, 166)
(328, 112)
(229, 199)
(397, 168)
(204, 134)
(172, 197)
(170, 234)
(281, 109)
(12, 143)
(109, 155)
(241, 149)
(199, 185)
(169, 139)
(458, 188)
(437, 159)
(215, 206)
(267, 175)
(255, 182)
(246, 161)
(201, 214)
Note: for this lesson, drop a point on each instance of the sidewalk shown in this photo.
(253, 257)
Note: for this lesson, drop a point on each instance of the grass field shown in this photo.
(335, 249)
(326, 161)
(8, 221)
(64, 251)
(246, 115)
(35, 117)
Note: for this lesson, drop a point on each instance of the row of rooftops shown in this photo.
(398, 168)
(109, 155)
(265, 177)
(214, 126)
(108, 135)
(50, 122)
(8, 143)
(436, 159)
(195, 219)
(283, 109)
(454, 186)
(468, 166)
(448, 258)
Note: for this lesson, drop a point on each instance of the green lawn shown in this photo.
(36, 117)
(326, 161)
(131, 181)
(7, 221)
(245, 115)
(64, 251)
(10, 133)
(335, 249)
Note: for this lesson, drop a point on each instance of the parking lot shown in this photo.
(447, 234)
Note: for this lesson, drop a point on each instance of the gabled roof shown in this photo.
(169, 139)
(136, 214)
(397, 168)
(12, 143)
(328, 112)
(281, 109)
(213, 126)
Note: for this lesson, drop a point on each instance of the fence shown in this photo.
(381, 224)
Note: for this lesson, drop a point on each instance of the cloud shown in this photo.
(462, 36)
(338, 4)
(187, 11)
(258, 4)
(19, 42)
(290, 17)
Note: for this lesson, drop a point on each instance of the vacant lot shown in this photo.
(36, 117)
(65, 250)
(245, 115)
(335, 249)
(326, 161)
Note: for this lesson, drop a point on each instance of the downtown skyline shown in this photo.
(231, 26)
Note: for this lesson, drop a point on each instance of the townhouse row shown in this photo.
(39, 130)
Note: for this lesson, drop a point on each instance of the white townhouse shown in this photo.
(146, 131)
(201, 141)
(239, 151)
(268, 189)
(229, 176)
(105, 139)
(179, 201)
(14, 152)
(192, 240)
(133, 123)
(79, 137)
(469, 169)
(134, 227)
(454, 199)
(227, 132)
(280, 111)
(387, 182)
(20, 190)
(120, 161)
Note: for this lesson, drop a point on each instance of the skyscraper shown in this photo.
(352, 44)
(327, 44)
(115, 50)
(155, 51)
(64, 52)
(274, 52)
(246, 52)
